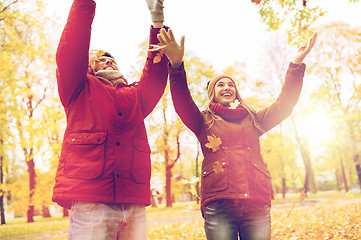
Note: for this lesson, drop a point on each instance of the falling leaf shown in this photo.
(217, 167)
(213, 143)
(234, 104)
(295, 177)
(256, 1)
(259, 84)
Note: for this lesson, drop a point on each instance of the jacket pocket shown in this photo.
(85, 155)
(262, 179)
(215, 177)
(141, 167)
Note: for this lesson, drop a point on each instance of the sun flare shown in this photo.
(318, 128)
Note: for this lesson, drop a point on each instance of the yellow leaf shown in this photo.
(217, 167)
(155, 47)
(213, 143)
(234, 104)
(94, 55)
(157, 58)
(259, 84)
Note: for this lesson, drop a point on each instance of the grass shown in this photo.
(330, 216)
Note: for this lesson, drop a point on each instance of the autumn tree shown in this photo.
(339, 89)
(25, 39)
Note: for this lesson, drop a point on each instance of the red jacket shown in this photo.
(236, 170)
(105, 154)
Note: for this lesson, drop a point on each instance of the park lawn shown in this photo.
(317, 217)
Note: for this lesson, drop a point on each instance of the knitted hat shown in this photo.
(212, 83)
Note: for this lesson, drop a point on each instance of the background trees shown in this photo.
(32, 119)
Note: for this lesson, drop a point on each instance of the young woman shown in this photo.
(236, 186)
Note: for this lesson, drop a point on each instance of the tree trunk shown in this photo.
(2, 193)
(32, 177)
(168, 183)
(344, 176)
(45, 212)
(358, 168)
(309, 184)
(284, 188)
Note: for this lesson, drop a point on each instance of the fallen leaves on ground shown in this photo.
(324, 219)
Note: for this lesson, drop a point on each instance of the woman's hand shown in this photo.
(304, 50)
(172, 50)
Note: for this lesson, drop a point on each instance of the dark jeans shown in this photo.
(226, 220)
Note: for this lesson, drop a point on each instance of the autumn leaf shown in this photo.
(256, 1)
(234, 104)
(159, 55)
(213, 143)
(259, 84)
(217, 167)
(155, 47)
(94, 55)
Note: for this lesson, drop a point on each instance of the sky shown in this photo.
(220, 32)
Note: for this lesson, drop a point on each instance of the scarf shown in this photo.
(227, 113)
(111, 77)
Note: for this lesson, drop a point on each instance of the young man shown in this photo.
(104, 169)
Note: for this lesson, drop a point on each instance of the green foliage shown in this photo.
(296, 16)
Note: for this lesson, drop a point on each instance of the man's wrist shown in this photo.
(158, 25)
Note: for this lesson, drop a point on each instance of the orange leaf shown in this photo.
(157, 58)
(213, 143)
(217, 167)
(259, 84)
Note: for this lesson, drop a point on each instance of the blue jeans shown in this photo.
(226, 220)
(103, 221)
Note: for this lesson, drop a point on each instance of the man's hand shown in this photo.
(156, 10)
(304, 50)
(172, 50)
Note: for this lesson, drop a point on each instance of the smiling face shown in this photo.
(224, 92)
(105, 63)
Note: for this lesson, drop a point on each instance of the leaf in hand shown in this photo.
(94, 55)
(155, 47)
(234, 104)
(213, 143)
